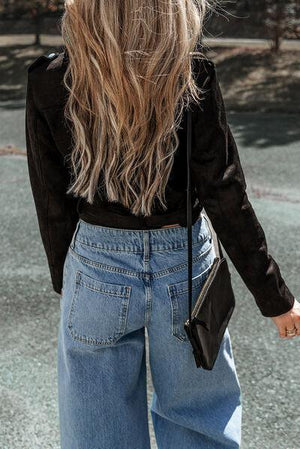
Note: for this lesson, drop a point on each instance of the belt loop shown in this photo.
(74, 235)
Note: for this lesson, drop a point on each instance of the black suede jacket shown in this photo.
(218, 183)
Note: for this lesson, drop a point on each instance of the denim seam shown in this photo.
(148, 307)
(174, 291)
(101, 287)
(156, 230)
(100, 290)
(74, 235)
(175, 318)
(137, 251)
(139, 275)
(173, 295)
(123, 313)
(182, 265)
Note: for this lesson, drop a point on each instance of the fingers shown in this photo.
(288, 324)
(297, 325)
(289, 321)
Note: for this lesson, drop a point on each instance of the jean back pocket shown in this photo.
(98, 312)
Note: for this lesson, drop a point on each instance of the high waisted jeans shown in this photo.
(116, 283)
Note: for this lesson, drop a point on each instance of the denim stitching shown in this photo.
(109, 229)
(174, 291)
(139, 275)
(123, 313)
(161, 248)
(100, 286)
(173, 295)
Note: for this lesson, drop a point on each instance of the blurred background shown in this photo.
(255, 45)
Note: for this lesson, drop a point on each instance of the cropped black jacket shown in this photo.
(218, 183)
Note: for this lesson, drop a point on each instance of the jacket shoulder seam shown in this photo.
(42, 59)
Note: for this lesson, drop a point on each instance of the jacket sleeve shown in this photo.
(56, 211)
(221, 186)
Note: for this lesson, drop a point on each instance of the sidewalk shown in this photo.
(287, 44)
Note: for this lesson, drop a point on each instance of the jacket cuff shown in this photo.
(56, 278)
(277, 306)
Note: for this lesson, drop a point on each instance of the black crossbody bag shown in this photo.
(213, 308)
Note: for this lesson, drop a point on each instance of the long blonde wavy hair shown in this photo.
(129, 77)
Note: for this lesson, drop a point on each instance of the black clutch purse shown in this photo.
(213, 308)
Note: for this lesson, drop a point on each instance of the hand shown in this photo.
(288, 320)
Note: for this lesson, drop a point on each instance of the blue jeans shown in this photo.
(116, 283)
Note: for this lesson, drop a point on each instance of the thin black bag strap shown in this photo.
(215, 238)
(189, 213)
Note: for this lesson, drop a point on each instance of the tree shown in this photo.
(35, 9)
(282, 20)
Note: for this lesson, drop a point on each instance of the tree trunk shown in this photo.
(38, 30)
(276, 40)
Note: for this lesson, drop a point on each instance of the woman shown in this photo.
(105, 129)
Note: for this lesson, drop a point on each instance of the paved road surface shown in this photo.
(268, 367)
(48, 39)
(287, 44)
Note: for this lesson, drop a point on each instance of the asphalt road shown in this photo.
(268, 367)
